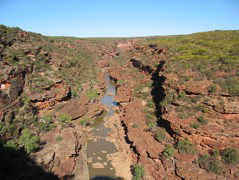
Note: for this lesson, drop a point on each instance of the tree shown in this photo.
(230, 155)
(29, 141)
(138, 172)
(185, 146)
(168, 152)
(65, 119)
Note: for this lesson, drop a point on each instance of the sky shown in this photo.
(119, 18)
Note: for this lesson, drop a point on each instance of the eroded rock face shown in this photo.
(12, 86)
(64, 150)
(75, 109)
(125, 46)
(48, 98)
(225, 105)
(219, 112)
(16, 87)
(4, 101)
(62, 156)
(123, 94)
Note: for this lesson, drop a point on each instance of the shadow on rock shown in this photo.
(157, 92)
(17, 165)
(158, 95)
(137, 64)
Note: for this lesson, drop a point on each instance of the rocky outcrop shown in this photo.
(4, 102)
(48, 98)
(123, 95)
(63, 152)
(218, 114)
(75, 108)
(12, 86)
(152, 96)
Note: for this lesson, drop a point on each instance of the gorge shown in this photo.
(137, 108)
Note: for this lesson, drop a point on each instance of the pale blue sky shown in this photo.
(118, 18)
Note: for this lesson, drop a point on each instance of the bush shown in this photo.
(92, 94)
(46, 123)
(201, 108)
(84, 121)
(195, 99)
(231, 155)
(161, 134)
(151, 125)
(184, 115)
(216, 153)
(168, 152)
(169, 98)
(195, 125)
(11, 144)
(59, 138)
(182, 95)
(185, 146)
(202, 120)
(233, 86)
(64, 119)
(150, 103)
(30, 142)
(138, 172)
(212, 88)
(38, 83)
(210, 164)
(134, 125)
(3, 128)
(230, 85)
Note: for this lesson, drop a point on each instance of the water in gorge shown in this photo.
(98, 148)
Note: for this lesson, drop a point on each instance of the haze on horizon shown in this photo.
(119, 18)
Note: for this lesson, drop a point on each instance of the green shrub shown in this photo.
(138, 172)
(59, 138)
(195, 99)
(184, 115)
(26, 99)
(151, 125)
(28, 141)
(46, 123)
(212, 88)
(230, 85)
(231, 155)
(201, 108)
(161, 134)
(11, 144)
(150, 103)
(3, 128)
(150, 116)
(195, 125)
(182, 95)
(169, 98)
(84, 121)
(210, 164)
(202, 120)
(38, 82)
(216, 153)
(185, 146)
(168, 152)
(233, 85)
(134, 125)
(92, 94)
(65, 119)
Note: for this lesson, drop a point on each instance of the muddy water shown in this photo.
(98, 148)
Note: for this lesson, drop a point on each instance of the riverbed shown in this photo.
(99, 147)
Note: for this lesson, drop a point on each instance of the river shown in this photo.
(99, 147)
